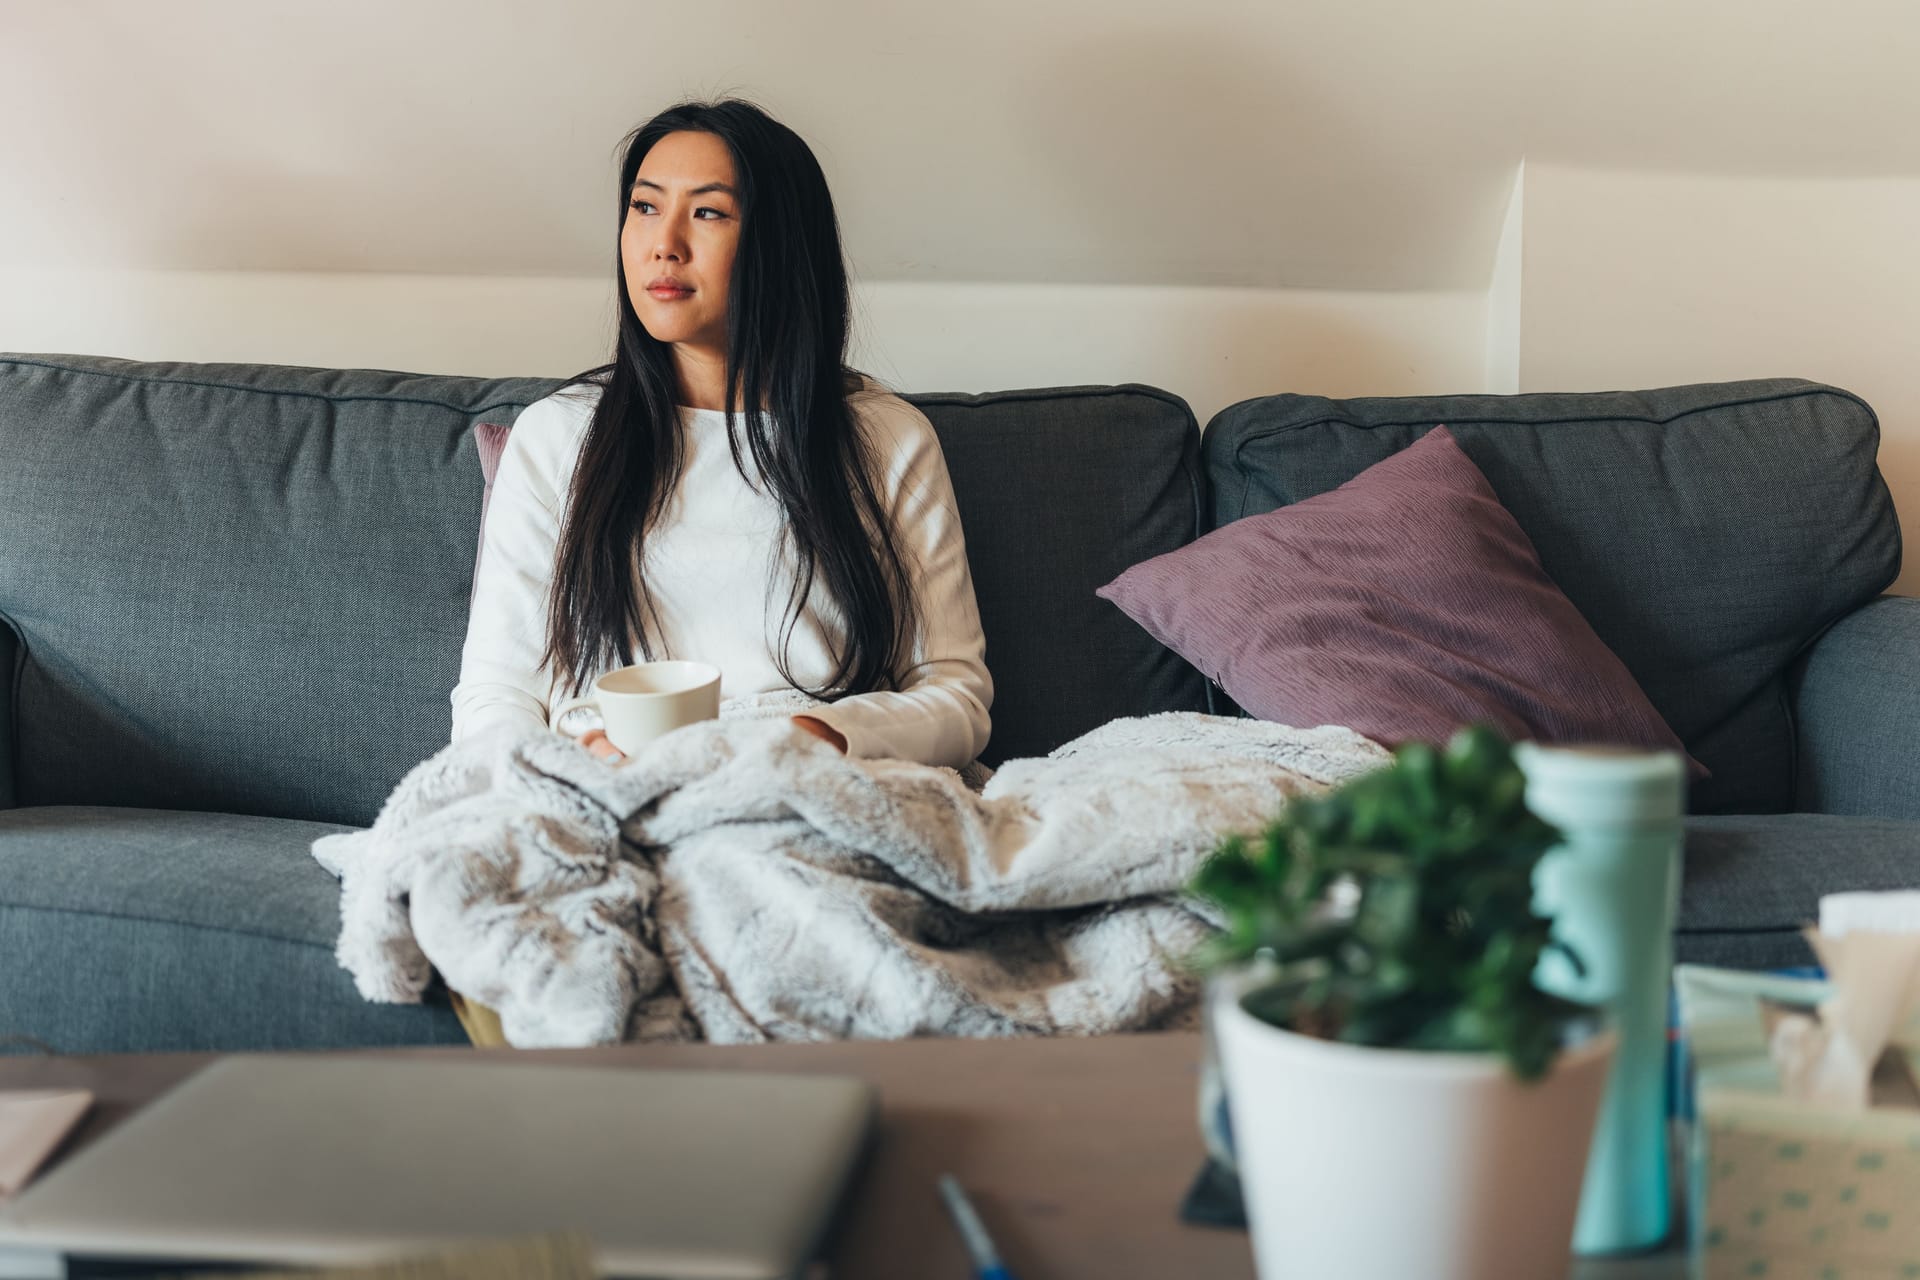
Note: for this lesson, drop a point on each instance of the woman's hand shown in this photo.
(597, 741)
(823, 731)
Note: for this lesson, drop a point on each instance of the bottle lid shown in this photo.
(1602, 786)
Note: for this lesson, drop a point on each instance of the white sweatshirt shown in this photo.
(718, 568)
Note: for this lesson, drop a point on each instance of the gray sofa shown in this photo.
(234, 598)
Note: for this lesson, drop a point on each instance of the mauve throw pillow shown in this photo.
(491, 439)
(1403, 604)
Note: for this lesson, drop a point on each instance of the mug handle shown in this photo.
(570, 705)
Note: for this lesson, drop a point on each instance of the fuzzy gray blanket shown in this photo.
(742, 881)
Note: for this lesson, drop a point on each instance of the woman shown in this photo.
(641, 512)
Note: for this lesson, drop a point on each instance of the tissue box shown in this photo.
(1780, 1188)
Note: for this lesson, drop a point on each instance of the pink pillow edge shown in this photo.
(490, 441)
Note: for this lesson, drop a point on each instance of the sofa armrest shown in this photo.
(11, 650)
(1856, 713)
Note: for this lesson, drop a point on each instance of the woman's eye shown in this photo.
(706, 213)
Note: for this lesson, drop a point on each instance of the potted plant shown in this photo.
(1405, 1101)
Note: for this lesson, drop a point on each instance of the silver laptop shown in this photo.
(321, 1160)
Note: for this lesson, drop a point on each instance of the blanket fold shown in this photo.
(740, 880)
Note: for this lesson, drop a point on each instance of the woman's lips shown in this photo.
(666, 294)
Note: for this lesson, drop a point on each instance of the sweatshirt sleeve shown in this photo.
(939, 715)
(501, 679)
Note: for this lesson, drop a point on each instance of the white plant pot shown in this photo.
(1393, 1164)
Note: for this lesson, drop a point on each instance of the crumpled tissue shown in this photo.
(1869, 944)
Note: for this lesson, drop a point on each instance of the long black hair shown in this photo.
(787, 330)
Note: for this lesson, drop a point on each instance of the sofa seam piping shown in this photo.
(276, 391)
(183, 924)
(1240, 445)
(974, 399)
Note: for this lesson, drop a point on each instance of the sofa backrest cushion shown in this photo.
(1059, 491)
(244, 587)
(1708, 533)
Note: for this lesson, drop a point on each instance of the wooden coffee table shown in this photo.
(1077, 1152)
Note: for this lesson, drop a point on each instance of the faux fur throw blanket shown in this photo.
(742, 881)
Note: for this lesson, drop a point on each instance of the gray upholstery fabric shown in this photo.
(1856, 708)
(1707, 533)
(247, 585)
(1752, 882)
(1059, 491)
(140, 930)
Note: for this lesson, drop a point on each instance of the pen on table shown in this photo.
(986, 1259)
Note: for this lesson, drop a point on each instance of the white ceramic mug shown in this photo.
(640, 703)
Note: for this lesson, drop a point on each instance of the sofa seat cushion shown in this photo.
(132, 930)
(127, 930)
(1753, 882)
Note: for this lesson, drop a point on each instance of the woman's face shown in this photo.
(677, 246)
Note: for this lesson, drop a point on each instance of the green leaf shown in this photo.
(1434, 856)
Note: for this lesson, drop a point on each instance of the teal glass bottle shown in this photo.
(1613, 887)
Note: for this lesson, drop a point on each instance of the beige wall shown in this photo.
(1657, 279)
(1505, 294)
(1322, 144)
(419, 323)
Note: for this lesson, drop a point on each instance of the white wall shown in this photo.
(1636, 279)
(1322, 144)
(490, 325)
(1211, 346)
(1504, 293)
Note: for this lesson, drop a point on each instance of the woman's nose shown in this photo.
(669, 246)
